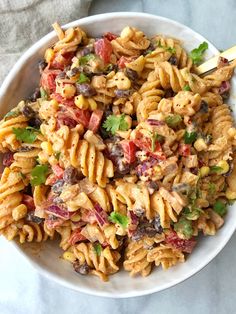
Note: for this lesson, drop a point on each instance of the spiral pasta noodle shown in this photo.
(123, 152)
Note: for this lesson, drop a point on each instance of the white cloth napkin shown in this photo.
(23, 22)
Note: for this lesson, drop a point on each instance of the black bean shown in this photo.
(139, 212)
(157, 225)
(149, 49)
(133, 75)
(28, 112)
(86, 89)
(81, 269)
(71, 175)
(35, 95)
(169, 93)
(32, 218)
(137, 235)
(61, 75)
(42, 65)
(225, 95)
(86, 50)
(152, 187)
(25, 149)
(121, 93)
(58, 186)
(35, 122)
(57, 200)
(173, 60)
(73, 72)
(204, 106)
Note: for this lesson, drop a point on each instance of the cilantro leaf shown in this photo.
(192, 214)
(173, 120)
(97, 248)
(26, 135)
(216, 169)
(82, 78)
(190, 137)
(187, 88)
(43, 93)
(39, 175)
(85, 59)
(120, 219)
(197, 54)
(211, 188)
(220, 208)
(154, 138)
(184, 227)
(114, 123)
(12, 114)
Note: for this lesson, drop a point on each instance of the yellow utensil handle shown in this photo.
(211, 64)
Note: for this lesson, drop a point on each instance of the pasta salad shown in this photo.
(123, 151)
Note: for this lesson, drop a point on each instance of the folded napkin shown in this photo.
(23, 22)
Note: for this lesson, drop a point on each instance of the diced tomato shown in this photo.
(28, 201)
(61, 61)
(47, 80)
(180, 244)
(76, 236)
(110, 36)
(95, 120)
(121, 62)
(184, 149)
(83, 116)
(129, 149)
(58, 171)
(144, 143)
(103, 49)
(7, 159)
(67, 102)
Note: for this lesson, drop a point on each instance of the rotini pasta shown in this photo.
(124, 152)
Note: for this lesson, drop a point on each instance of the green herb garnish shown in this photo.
(187, 88)
(154, 138)
(184, 227)
(190, 137)
(197, 54)
(26, 135)
(120, 219)
(211, 188)
(192, 214)
(216, 169)
(173, 120)
(39, 175)
(43, 93)
(85, 59)
(97, 248)
(82, 78)
(220, 208)
(12, 114)
(115, 123)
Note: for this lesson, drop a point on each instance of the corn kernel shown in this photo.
(47, 147)
(75, 218)
(49, 54)
(54, 104)
(81, 102)
(68, 256)
(128, 119)
(232, 132)
(231, 195)
(204, 171)
(68, 91)
(19, 212)
(200, 145)
(224, 165)
(92, 104)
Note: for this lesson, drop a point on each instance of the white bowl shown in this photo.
(20, 83)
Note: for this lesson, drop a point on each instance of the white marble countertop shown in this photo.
(210, 291)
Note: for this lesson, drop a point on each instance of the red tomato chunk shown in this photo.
(103, 49)
(95, 120)
(129, 150)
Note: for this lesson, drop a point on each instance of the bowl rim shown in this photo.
(4, 87)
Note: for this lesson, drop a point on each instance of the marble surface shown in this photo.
(23, 290)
